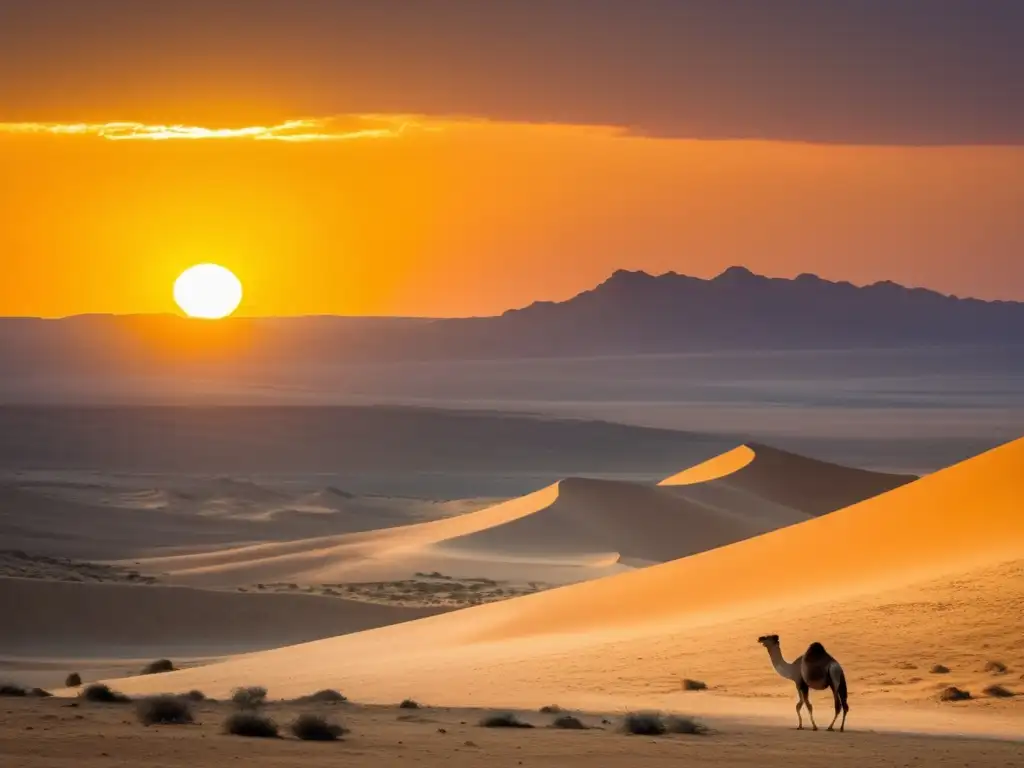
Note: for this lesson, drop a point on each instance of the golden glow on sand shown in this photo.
(208, 291)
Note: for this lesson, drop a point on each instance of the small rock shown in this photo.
(469, 744)
(441, 730)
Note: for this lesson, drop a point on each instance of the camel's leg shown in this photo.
(799, 706)
(837, 683)
(839, 706)
(805, 698)
(843, 700)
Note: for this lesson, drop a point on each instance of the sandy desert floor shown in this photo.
(51, 734)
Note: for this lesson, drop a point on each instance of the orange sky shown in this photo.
(447, 217)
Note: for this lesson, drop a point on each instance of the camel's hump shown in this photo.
(815, 651)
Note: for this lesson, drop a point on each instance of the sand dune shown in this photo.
(62, 619)
(118, 518)
(932, 572)
(573, 530)
(788, 479)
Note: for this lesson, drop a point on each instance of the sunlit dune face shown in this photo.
(208, 291)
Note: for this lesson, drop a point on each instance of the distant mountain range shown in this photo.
(629, 313)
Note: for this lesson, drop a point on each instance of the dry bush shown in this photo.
(409, 704)
(73, 680)
(996, 668)
(158, 667)
(250, 697)
(164, 710)
(694, 685)
(999, 692)
(503, 720)
(40, 693)
(10, 689)
(952, 693)
(653, 724)
(251, 724)
(644, 724)
(326, 696)
(195, 696)
(939, 669)
(309, 727)
(551, 709)
(568, 723)
(102, 694)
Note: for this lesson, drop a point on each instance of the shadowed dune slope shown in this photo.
(788, 479)
(573, 530)
(876, 581)
(46, 618)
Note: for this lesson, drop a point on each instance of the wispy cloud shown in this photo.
(339, 128)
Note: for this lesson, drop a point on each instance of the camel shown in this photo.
(815, 669)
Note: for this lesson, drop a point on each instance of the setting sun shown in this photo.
(208, 291)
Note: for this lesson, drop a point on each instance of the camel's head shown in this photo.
(768, 640)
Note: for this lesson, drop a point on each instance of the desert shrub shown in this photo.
(952, 693)
(644, 724)
(653, 724)
(164, 710)
(250, 697)
(503, 720)
(102, 694)
(996, 668)
(195, 696)
(10, 689)
(310, 727)
(326, 696)
(939, 669)
(73, 680)
(569, 723)
(694, 685)
(252, 725)
(999, 692)
(40, 693)
(551, 709)
(409, 704)
(157, 667)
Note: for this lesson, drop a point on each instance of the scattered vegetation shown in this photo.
(644, 724)
(569, 723)
(250, 697)
(10, 689)
(653, 724)
(164, 710)
(310, 727)
(326, 696)
(73, 680)
(40, 693)
(158, 667)
(503, 720)
(939, 669)
(551, 709)
(999, 692)
(952, 693)
(195, 696)
(996, 668)
(102, 694)
(252, 725)
(409, 704)
(694, 685)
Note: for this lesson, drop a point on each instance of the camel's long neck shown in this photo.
(783, 667)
